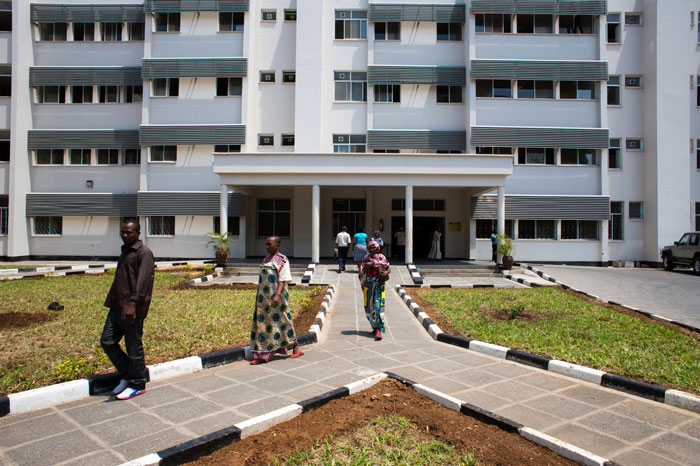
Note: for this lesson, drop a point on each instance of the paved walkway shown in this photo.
(96, 431)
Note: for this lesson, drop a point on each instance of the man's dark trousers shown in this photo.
(342, 255)
(130, 365)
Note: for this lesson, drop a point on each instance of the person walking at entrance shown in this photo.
(359, 246)
(377, 238)
(342, 242)
(373, 275)
(494, 246)
(435, 253)
(128, 301)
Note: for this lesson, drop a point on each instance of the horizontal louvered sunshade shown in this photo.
(86, 13)
(195, 67)
(4, 134)
(544, 207)
(536, 69)
(164, 6)
(81, 204)
(85, 76)
(416, 139)
(83, 139)
(563, 7)
(188, 203)
(437, 75)
(395, 12)
(5, 69)
(573, 138)
(6, 5)
(191, 134)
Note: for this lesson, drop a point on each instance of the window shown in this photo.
(107, 156)
(386, 151)
(132, 156)
(111, 32)
(165, 87)
(227, 149)
(137, 31)
(697, 216)
(48, 226)
(579, 229)
(287, 139)
(576, 24)
(51, 94)
(493, 23)
(580, 90)
(449, 31)
(4, 201)
(387, 93)
(387, 31)
(615, 223)
(350, 213)
(290, 15)
(539, 24)
(636, 210)
(634, 144)
(579, 157)
(350, 86)
(167, 22)
(536, 229)
(274, 217)
(697, 156)
(231, 22)
(267, 76)
(614, 155)
(633, 81)
(161, 225)
(613, 90)
(535, 156)
(5, 21)
(494, 150)
(266, 140)
(435, 205)
(289, 76)
(484, 228)
(81, 94)
(133, 94)
(5, 85)
(49, 156)
(697, 88)
(633, 19)
(4, 151)
(494, 88)
(81, 157)
(83, 32)
(268, 15)
(344, 143)
(234, 225)
(108, 94)
(614, 28)
(53, 31)
(163, 153)
(350, 24)
(535, 89)
(449, 94)
(229, 87)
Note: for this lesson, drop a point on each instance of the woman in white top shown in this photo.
(435, 253)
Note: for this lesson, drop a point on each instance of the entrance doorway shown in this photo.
(423, 228)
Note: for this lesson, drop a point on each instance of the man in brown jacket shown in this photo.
(128, 301)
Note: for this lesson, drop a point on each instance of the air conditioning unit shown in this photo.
(633, 81)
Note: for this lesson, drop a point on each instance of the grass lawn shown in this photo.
(40, 347)
(560, 325)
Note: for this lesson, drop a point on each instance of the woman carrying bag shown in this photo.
(373, 274)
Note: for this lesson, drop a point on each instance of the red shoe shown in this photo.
(377, 334)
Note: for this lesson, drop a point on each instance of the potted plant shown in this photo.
(219, 242)
(505, 249)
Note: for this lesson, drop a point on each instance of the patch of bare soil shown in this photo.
(24, 319)
(491, 445)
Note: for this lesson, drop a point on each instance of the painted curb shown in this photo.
(649, 391)
(208, 443)
(102, 384)
(309, 273)
(415, 274)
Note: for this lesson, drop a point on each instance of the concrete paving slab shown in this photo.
(150, 443)
(593, 395)
(482, 399)
(235, 396)
(691, 429)
(652, 413)
(128, 428)
(677, 447)
(214, 422)
(475, 377)
(53, 449)
(620, 427)
(101, 458)
(639, 457)
(546, 381)
(529, 417)
(32, 429)
(158, 396)
(264, 405)
(93, 413)
(204, 383)
(278, 383)
(595, 442)
(559, 406)
(185, 410)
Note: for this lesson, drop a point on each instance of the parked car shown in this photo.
(685, 251)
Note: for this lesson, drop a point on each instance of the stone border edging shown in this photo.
(310, 269)
(208, 278)
(415, 274)
(42, 397)
(668, 396)
(232, 434)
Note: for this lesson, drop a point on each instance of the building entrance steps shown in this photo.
(624, 428)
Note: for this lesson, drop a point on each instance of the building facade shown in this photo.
(570, 125)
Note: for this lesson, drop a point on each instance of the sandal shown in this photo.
(296, 355)
(257, 361)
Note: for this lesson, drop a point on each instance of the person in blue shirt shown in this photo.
(359, 246)
(494, 245)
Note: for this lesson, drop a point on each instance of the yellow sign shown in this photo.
(454, 226)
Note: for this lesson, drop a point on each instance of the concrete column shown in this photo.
(223, 209)
(409, 224)
(241, 237)
(315, 223)
(501, 222)
(604, 241)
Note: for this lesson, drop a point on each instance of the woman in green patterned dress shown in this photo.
(273, 330)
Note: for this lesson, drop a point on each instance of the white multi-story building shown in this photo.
(571, 125)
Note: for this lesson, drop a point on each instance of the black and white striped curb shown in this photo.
(101, 384)
(520, 280)
(208, 278)
(208, 443)
(415, 274)
(465, 285)
(310, 269)
(669, 396)
(614, 303)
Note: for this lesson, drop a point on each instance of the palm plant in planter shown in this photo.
(219, 241)
(505, 249)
